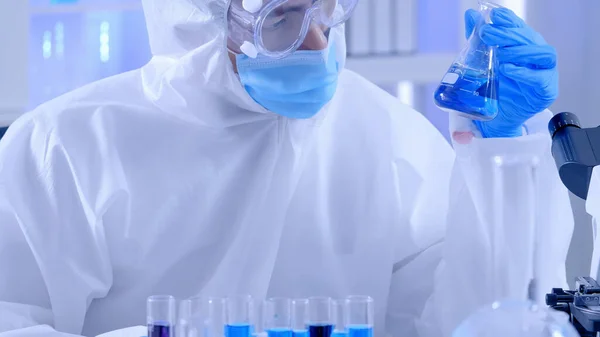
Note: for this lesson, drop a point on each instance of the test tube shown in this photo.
(339, 318)
(190, 322)
(359, 316)
(278, 317)
(299, 317)
(257, 321)
(160, 316)
(320, 322)
(239, 314)
(216, 317)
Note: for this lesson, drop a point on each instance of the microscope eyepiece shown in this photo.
(561, 121)
(574, 150)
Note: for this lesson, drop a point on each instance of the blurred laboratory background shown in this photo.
(49, 47)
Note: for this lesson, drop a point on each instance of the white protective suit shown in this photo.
(170, 179)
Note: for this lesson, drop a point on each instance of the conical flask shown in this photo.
(470, 86)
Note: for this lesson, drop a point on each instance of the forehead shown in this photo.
(287, 3)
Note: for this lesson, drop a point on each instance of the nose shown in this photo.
(315, 39)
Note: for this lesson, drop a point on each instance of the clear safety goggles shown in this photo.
(277, 28)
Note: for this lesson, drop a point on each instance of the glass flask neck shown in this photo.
(483, 4)
(485, 8)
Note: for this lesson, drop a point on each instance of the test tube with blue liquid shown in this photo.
(299, 317)
(216, 317)
(161, 316)
(339, 318)
(239, 315)
(359, 312)
(320, 322)
(278, 317)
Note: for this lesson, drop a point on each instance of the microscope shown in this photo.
(576, 151)
(582, 305)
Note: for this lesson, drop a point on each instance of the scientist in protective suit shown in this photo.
(244, 158)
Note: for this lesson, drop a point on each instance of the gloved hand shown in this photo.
(527, 74)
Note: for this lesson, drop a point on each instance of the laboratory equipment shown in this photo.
(160, 316)
(576, 151)
(278, 28)
(360, 316)
(320, 330)
(509, 314)
(299, 317)
(240, 310)
(320, 322)
(582, 305)
(278, 317)
(470, 86)
(216, 317)
(338, 312)
(190, 322)
(257, 319)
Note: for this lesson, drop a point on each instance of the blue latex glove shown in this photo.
(527, 74)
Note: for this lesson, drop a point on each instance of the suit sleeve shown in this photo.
(53, 259)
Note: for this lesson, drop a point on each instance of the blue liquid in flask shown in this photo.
(300, 333)
(339, 334)
(469, 92)
(159, 329)
(238, 330)
(320, 330)
(360, 331)
(279, 332)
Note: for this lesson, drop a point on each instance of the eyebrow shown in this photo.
(294, 6)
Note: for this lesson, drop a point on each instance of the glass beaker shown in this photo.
(338, 312)
(160, 315)
(517, 308)
(215, 323)
(300, 317)
(320, 320)
(190, 323)
(360, 316)
(240, 312)
(278, 317)
(470, 86)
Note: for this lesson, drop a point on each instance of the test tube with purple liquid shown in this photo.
(161, 316)
(320, 321)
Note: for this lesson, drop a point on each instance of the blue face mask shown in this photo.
(297, 86)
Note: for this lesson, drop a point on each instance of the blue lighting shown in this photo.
(70, 49)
